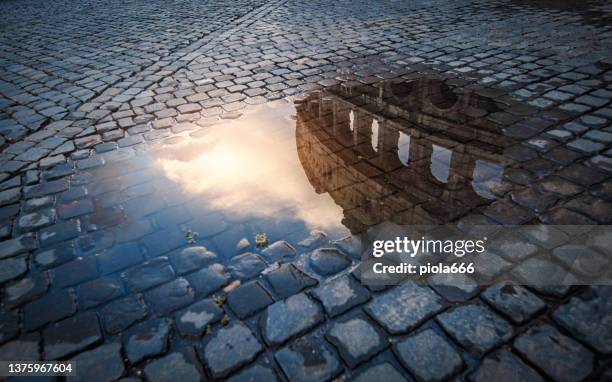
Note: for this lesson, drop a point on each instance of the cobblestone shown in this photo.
(475, 327)
(102, 364)
(383, 371)
(515, 302)
(246, 266)
(121, 314)
(278, 251)
(255, 373)
(307, 359)
(356, 340)
(194, 320)
(54, 256)
(146, 339)
(285, 319)
(208, 280)
(171, 296)
(24, 348)
(327, 261)
(12, 247)
(51, 307)
(560, 357)
(71, 335)
(99, 291)
(149, 274)
(586, 318)
(340, 295)
(75, 272)
(9, 325)
(428, 356)
(248, 299)
(26, 289)
(419, 303)
(288, 280)
(172, 367)
(504, 366)
(240, 348)
(190, 259)
(88, 89)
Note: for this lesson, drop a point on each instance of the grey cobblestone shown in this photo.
(192, 258)
(299, 313)
(172, 367)
(102, 364)
(327, 261)
(194, 320)
(255, 373)
(9, 325)
(560, 357)
(307, 359)
(514, 301)
(24, 348)
(248, 299)
(171, 296)
(146, 339)
(504, 366)
(121, 314)
(240, 345)
(340, 295)
(71, 335)
(27, 289)
(149, 274)
(208, 280)
(51, 307)
(84, 86)
(475, 327)
(586, 318)
(419, 303)
(356, 340)
(428, 356)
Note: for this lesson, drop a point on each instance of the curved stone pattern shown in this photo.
(149, 154)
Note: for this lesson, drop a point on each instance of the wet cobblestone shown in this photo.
(87, 265)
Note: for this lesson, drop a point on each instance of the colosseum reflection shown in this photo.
(415, 152)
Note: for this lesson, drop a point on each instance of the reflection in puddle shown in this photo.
(375, 135)
(339, 160)
(405, 152)
(249, 169)
(403, 148)
(487, 177)
(440, 163)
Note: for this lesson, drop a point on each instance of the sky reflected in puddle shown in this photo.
(249, 168)
(340, 160)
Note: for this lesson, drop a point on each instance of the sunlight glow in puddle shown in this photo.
(249, 167)
(339, 161)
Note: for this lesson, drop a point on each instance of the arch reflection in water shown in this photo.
(247, 171)
(343, 158)
(405, 152)
(403, 149)
(375, 135)
(440, 163)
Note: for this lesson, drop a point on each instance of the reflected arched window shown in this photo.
(487, 176)
(375, 135)
(442, 96)
(352, 120)
(403, 148)
(440, 163)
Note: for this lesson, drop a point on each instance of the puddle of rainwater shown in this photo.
(249, 169)
(340, 161)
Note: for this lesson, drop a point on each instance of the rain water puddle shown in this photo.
(339, 161)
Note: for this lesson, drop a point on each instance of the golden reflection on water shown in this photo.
(249, 167)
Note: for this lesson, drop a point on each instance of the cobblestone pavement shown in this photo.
(104, 261)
